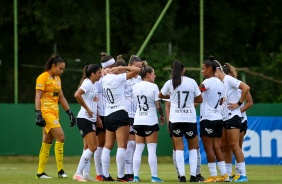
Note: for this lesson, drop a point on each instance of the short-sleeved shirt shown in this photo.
(182, 100)
(90, 98)
(102, 99)
(210, 107)
(51, 87)
(146, 94)
(114, 87)
(131, 103)
(231, 86)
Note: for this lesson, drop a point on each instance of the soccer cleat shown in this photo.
(236, 177)
(62, 174)
(123, 179)
(223, 178)
(156, 179)
(193, 179)
(79, 177)
(99, 178)
(42, 176)
(108, 178)
(136, 179)
(89, 178)
(129, 177)
(242, 179)
(211, 179)
(200, 177)
(182, 179)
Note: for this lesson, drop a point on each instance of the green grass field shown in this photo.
(22, 169)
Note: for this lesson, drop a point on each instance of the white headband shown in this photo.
(108, 63)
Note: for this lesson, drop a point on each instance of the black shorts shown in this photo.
(211, 128)
(98, 129)
(234, 122)
(131, 120)
(85, 126)
(145, 130)
(179, 129)
(244, 126)
(116, 119)
(170, 135)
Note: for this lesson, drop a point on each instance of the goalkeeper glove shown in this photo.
(72, 118)
(39, 119)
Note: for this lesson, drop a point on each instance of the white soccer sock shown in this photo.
(86, 169)
(242, 168)
(120, 160)
(174, 161)
(199, 159)
(222, 168)
(229, 168)
(98, 161)
(84, 159)
(129, 157)
(180, 162)
(137, 158)
(152, 158)
(236, 168)
(106, 161)
(212, 168)
(193, 161)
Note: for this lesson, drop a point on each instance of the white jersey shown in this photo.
(210, 108)
(231, 86)
(131, 103)
(146, 95)
(114, 87)
(244, 114)
(102, 99)
(90, 98)
(182, 100)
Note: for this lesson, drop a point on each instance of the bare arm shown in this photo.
(78, 96)
(163, 96)
(38, 95)
(198, 99)
(160, 111)
(248, 104)
(63, 101)
(245, 90)
(132, 70)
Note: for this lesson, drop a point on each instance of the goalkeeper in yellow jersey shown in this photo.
(48, 94)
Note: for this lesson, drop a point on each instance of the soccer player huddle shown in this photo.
(121, 103)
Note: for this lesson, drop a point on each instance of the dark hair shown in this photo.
(145, 68)
(105, 57)
(134, 58)
(54, 59)
(211, 63)
(120, 61)
(177, 71)
(87, 71)
(228, 69)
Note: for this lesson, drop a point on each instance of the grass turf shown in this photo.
(22, 169)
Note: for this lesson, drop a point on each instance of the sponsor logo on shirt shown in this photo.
(183, 111)
(39, 85)
(143, 113)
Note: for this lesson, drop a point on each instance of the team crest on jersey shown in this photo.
(177, 132)
(190, 133)
(209, 131)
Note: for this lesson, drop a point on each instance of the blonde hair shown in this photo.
(228, 69)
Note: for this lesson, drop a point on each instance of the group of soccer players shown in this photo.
(120, 102)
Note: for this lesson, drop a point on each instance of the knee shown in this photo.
(61, 139)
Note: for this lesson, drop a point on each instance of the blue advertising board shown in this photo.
(262, 143)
